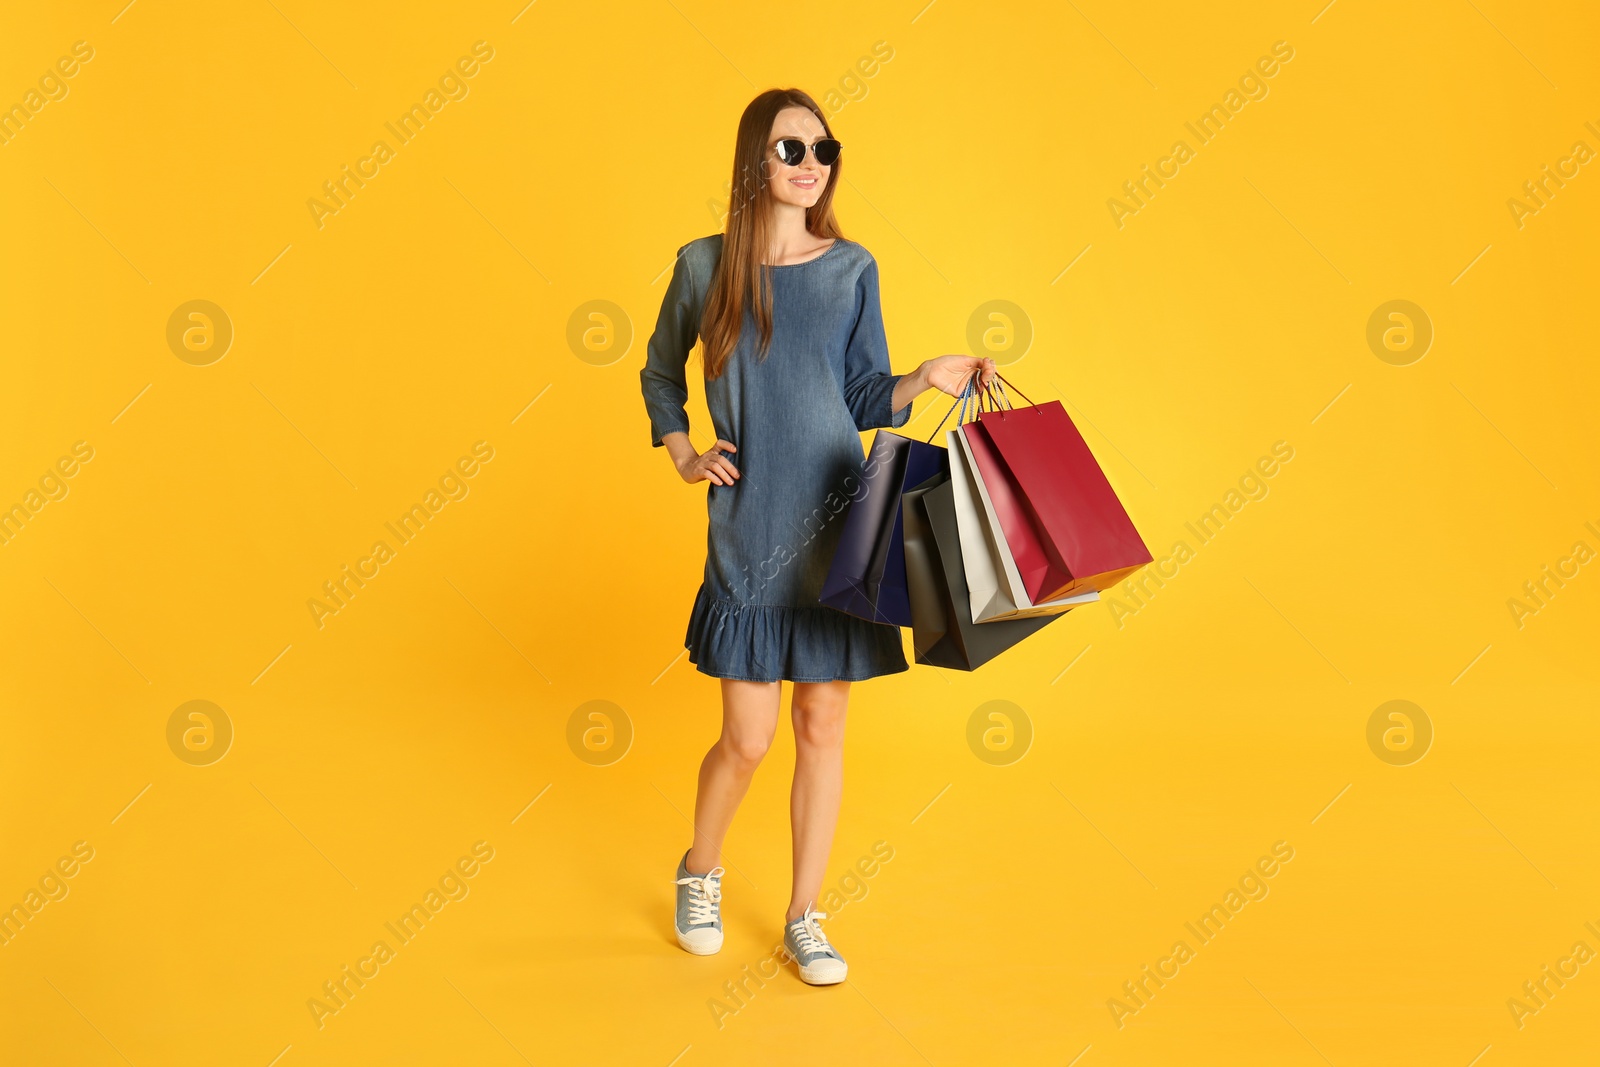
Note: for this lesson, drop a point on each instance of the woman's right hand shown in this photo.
(710, 466)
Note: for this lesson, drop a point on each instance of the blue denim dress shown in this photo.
(795, 418)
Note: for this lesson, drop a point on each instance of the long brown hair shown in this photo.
(740, 273)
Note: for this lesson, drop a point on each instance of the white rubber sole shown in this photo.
(701, 942)
(824, 972)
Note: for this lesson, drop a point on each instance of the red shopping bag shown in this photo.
(1085, 536)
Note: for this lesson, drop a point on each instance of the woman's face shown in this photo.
(803, 183)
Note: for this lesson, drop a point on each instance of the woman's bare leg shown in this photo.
(818, 711)
(749, 721)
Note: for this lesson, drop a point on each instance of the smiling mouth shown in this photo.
(804, 183)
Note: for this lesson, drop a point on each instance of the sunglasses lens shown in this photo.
(827, 150)
(791, 150)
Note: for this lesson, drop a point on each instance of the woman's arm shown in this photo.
(662, 379)
(664, 383)
(948, 374)
(875, 396)
(695, 466)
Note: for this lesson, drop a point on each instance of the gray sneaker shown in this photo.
(699, 920)
(820, 963)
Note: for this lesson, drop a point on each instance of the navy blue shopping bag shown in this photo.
(867, 577)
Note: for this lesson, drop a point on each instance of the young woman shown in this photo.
(796, 367)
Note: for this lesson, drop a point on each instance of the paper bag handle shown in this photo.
(966, 396)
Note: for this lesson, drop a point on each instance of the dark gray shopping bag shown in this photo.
(942, 630)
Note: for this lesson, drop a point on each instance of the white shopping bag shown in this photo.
(993, 582)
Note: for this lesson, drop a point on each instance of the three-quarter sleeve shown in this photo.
(666, 389)
(868, 384)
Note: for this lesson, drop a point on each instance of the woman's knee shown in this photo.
(746, 747)
(819, 723)
(749, 720)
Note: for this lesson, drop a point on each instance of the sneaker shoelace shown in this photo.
(705, 890)
(808, 936)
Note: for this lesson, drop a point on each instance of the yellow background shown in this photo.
(369, 354)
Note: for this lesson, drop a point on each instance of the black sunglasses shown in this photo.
(792, 151)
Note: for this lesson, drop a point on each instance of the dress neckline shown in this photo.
(805, 262)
